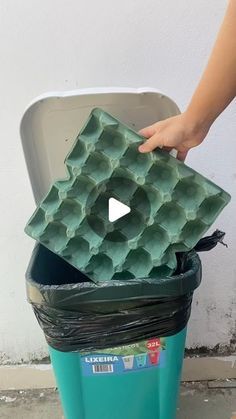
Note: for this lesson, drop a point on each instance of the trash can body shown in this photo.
(135, 377)
(143, 393)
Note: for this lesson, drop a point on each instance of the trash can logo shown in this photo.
(128, 362)
(141, 360)
(154, 357)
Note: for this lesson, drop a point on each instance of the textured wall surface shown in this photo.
(63, 45)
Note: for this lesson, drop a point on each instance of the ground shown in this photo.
(197, 401)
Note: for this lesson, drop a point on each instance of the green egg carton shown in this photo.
(172, 206)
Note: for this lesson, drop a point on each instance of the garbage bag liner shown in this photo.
(78, 315)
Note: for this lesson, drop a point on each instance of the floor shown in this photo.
(198, 401)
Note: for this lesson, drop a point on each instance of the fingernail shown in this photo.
(141, 148)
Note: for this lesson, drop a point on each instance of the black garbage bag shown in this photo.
(78, 315)
(209, 242)
(204, 245)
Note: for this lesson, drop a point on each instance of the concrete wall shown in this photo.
(62, 45)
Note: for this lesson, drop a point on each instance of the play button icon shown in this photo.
(117, 210)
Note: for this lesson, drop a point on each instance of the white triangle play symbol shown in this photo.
(117, 209)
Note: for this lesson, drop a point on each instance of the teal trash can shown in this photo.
(138, 376)
(147, 392)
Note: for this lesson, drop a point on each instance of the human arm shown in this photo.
(216, 89)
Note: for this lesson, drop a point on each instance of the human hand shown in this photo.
(177, 132)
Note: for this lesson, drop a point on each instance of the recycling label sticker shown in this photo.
(124, 359)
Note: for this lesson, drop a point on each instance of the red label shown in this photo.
(154, 357)
(153, 344)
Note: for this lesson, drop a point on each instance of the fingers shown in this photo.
(152, 143)
(148, 131)
(181, 155)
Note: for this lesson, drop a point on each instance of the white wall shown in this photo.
(61, 45)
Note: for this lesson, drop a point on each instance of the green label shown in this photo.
(125, 358)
